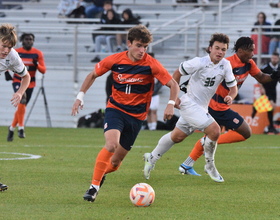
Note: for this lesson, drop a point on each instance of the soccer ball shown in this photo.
(142, 194)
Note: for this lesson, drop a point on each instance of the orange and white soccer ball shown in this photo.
(142, 194)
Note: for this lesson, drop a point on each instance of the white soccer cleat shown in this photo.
(148, 166)
(211, 170)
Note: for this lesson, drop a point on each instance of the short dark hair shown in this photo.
(275, 54)
(108, 2)
(25, 35)
(223, 38)
(244, 43)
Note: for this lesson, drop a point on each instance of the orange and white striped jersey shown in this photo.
(133, 82)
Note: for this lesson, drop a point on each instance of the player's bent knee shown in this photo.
(178, 139)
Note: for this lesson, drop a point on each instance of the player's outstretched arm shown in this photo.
(174, 92)
(79, 102)
(23, 86)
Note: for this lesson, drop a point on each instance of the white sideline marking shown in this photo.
(29, 156)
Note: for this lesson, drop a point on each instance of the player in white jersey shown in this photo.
(206, 73)
(10, 60)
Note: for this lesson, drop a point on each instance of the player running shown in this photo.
(242, 65)
(206, 73)
(133, 74)
(10, 60)
(33, 60)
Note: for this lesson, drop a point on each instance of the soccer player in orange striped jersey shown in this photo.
(133, 82)
(242, 66)
(33, 59)
(10, 60)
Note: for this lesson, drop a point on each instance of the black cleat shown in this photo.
(3, 187)
(272, 130)
(10, 136)
(21, 133)
(90, 195)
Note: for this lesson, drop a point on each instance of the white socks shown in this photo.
(164, 144)
(94, 186)
(152, 126)
(189, 162)
(209, 149)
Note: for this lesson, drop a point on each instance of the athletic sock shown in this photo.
(12, 128)
(111, 168)
(101, 164)
(270, 118)
(230, 137)
(15, 120)
(197, 150)
(189, 162)
(152, 126)
(21, 113)
(97, 187)
(209, 149)
(164, 144)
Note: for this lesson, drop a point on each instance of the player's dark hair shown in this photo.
(8, 34)
(275, 54)
(108, 2)
(25, 35)
(244, 43)
(140, 33)
(222, 38)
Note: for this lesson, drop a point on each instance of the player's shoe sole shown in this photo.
(187, 170)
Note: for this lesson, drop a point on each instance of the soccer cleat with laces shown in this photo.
(148, 166)
(91, 193)
(187, 170)
(211, 170)
(21, 133)
(3, 187)
(10, 136)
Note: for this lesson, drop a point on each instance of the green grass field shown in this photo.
(52, 186)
